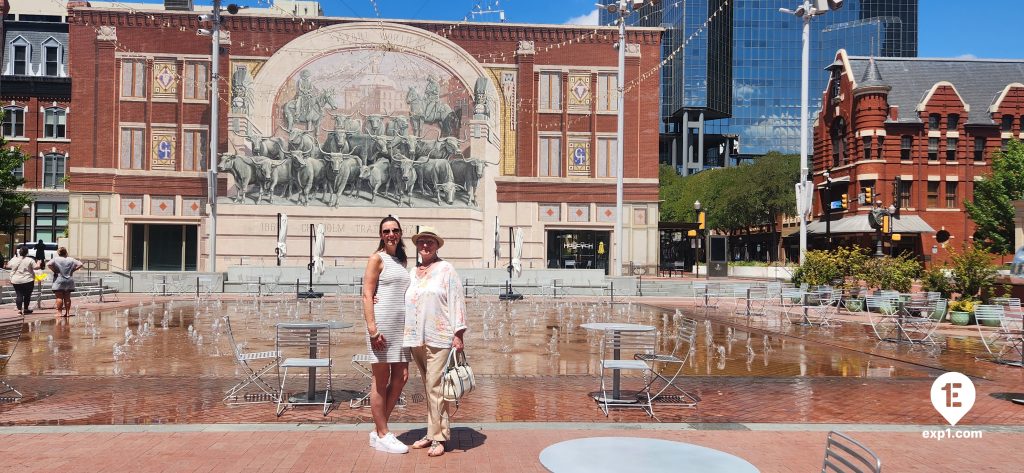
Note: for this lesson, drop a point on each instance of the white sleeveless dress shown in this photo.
(389, 311)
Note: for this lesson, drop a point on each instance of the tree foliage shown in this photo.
(734, 198)
(992, 206)
(971, 272)
(11, 201)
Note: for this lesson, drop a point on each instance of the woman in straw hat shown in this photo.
(435, 320)
(384, 285)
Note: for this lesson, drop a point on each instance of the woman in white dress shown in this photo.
(384, 286)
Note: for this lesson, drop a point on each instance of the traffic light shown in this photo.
(700, 220)
(886, 223)
(869, 196)
(846, 201)
(896, 237)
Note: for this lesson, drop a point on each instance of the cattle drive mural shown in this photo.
(360, 128)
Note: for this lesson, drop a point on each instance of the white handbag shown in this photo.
(458, 378)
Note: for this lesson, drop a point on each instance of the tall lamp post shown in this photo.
(214, 32)
(807, 10)
(620, 7)
(27, 220)
(699, 233)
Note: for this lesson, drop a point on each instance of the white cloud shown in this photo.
(588, 19)
(967, 56)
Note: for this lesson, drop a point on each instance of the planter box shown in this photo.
(961, 318)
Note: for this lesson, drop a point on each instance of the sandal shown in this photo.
(434, 451)
(422, 443)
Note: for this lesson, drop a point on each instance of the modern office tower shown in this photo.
(762, 87)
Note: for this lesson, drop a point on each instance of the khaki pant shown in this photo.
(431, 363)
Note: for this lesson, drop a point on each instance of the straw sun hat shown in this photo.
(428, 231)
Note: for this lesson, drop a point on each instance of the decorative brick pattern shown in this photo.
(606, 213)
(578, 213)
(131, 205)
(192, 207)
(161, 206)
(550, 213)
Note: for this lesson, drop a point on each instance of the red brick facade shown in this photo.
(938, 160)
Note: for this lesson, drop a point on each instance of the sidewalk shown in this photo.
(505, 447)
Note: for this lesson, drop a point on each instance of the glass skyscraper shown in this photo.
(753, 107)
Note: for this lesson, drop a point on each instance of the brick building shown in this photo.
(35, 94)
(532, 105)
(929, 126)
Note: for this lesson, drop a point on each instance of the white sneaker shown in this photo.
(388, 443)
(373, 439)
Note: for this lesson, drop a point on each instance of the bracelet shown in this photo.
(374, 336)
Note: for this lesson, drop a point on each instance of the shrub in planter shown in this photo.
(971, 272)
(935, 280)
(890, 273)
(833, 267)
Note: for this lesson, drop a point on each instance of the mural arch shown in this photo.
(363, 115)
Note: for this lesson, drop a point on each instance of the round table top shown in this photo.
(620, 327)
(621, 454)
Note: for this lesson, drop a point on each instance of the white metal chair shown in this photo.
(10, 334)
(253, 375)
(615, 347)
(303, 345)
(673, 362)
(844, 454)
(1005, 344)
(361, 362)
(882, 316)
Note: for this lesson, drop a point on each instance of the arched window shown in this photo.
(933, 121)
(839, 142)
(1007, 124)
(55, 122)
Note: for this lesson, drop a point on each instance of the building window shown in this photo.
(133, 75)
(867, 147)
(979, 148)
(951, 144)
(1007, 123)
(933, 149)
(19, 172)
(55, 123)
(14, 122)
(1022, 123)
(193, 152)
(53, 170)
(881, 148)
(836, 83)
(839, 143)
(933, 121)
(607, 152)
(864, 185)
(51, 58)
(607, 92)
(132, 148)
(550, 91)
(1004, 145)
(51, 220)
(904, 193)
(933, 194)
(952, 121)
(951, 202)
(195, 80)
(906, 143)
(19, 57)
(550, 154)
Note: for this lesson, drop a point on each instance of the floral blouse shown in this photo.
(435, 307)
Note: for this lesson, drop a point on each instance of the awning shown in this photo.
(787, 231)
(859, 224)
(837, 180)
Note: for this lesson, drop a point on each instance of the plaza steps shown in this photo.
(83, 288)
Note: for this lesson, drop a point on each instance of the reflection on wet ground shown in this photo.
(171, 361)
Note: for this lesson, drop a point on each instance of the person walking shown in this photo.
(23, 278)
(435, 321)
(41, 253)
(63, 269)
(385, 282)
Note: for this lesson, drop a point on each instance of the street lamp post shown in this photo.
(805, 12)
(621, 8)
(26, 219)
(699, 233)
(827, 204)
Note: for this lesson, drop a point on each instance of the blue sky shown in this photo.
(948, 28)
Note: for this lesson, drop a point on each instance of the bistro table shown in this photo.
(624, 454)
(615, 327)
(311, 394)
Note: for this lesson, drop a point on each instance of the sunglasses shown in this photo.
(390, 231)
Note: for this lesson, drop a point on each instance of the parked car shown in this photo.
(50, 249)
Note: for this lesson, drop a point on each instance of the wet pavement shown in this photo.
(158, 361)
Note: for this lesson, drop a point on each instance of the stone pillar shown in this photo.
(526, 130)
(700, 141)
(686, 143)
(1018, 224)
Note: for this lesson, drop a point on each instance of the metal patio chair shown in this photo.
(672, 363)
(822, 307)
(10, 334)
(248, 363)
(844, 454)
(303, 345)
(361, 362)
(615, 346)
(1005, 344)
(882, 317)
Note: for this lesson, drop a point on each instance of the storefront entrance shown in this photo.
(163, 247)
(578, 249)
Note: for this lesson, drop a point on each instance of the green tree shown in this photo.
(992, 206)
(11, 200)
